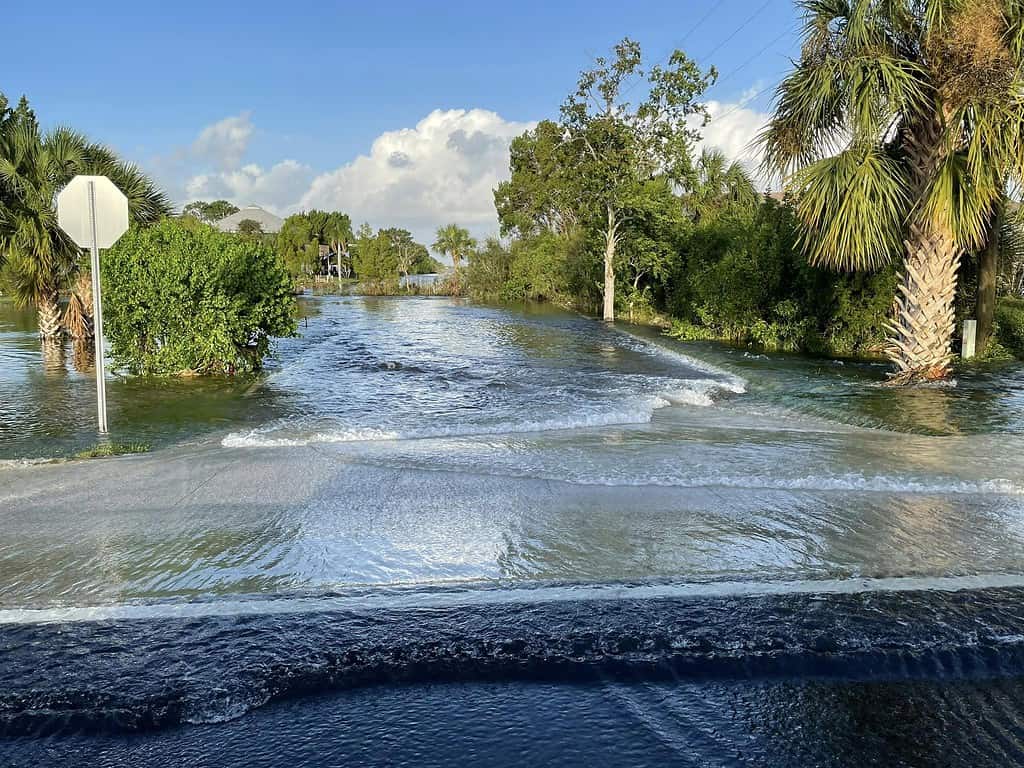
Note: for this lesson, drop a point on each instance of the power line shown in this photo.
(696, 26)
(746, 63)
(738, 29)
(718, 47)
(744, 101)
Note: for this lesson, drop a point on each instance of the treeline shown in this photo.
(733, 274)
(611, 209)
(181, 296)
(323, 243)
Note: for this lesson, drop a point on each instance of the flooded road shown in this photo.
(511, 502)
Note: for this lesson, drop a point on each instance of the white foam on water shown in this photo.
(29, 462)
(483, 594)
(637, 410)
(726, 378)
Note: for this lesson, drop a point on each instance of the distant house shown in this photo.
(269, 223)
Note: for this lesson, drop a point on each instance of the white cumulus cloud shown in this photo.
(225, 142)
(444, 169)
(277, 188)
(733, 129)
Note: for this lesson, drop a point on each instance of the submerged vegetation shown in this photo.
(899, 129)
(103, 450)
(187, 299)
(609, 213)
(39, 260)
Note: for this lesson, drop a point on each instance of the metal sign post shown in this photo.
(97, 315)
(94, 214)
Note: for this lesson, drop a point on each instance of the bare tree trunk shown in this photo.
(48, 311)
(921, 334)
(610, 238)
(988, 270)
(455, 273)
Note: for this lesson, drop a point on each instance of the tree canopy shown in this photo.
(298, 243)
(898, 129)
(34, 167)
(210, 213)
(600, 163)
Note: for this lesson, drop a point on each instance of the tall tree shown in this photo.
(34, 167)
(375, 258)
(456, 242)
(302, 234)
(615, 148)
(539, 194)
(898, 128)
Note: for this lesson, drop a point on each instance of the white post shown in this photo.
(97, 309)
(970, 333)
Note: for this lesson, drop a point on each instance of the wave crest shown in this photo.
(638, 410)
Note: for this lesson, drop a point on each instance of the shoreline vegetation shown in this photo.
(614, 209)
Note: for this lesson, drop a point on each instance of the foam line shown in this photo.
(477, 594)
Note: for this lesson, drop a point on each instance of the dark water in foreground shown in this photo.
(434, 534)
(922, 678)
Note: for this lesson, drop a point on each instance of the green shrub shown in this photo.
(740, 277)
(537, 270)
(181, 297)
(103, 450)
(1010, 325)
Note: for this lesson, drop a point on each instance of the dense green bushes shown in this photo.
(1010, 325)
(736, 276)
(181, 297)
(739, 277)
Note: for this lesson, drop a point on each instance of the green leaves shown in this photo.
(883, 83)
(33, 168)
(852, 208)
(182, 297)
(298, 243)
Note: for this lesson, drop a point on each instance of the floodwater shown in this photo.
(586, 544)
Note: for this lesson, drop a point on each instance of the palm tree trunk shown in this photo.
(48, 312)
(921, 334)
(988, 270)
(610, 238)
(920, 340)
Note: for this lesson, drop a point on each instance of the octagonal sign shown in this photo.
(111, 206)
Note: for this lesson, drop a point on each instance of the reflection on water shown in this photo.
(420, 441)
(521, 508)
(403, 366)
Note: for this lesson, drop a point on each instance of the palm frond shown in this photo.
(852, 208)
(960, 201)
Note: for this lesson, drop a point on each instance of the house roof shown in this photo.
(268, 222)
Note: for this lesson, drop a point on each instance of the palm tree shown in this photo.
(33, 169)
(717, 184)
(456, 242)
(896, 131)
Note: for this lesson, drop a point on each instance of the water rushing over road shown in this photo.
(425, 490)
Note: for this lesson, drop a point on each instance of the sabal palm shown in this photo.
(33, 168)
(717, 184)
(456, 242)
(898, 129)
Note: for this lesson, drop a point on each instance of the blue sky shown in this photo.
(315, 84)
